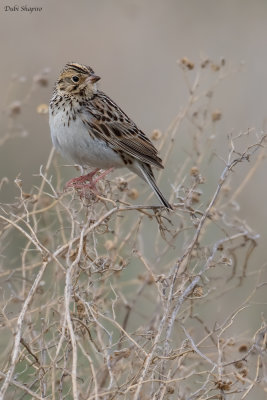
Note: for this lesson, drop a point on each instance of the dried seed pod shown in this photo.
(40, 80)
(195, 197)
(198, 291)
(215, 67)
(15, 108)
(42, 109)
(205, 63)
(122, 184)
(156, 134)
(194, 171)
(109, 245)
(243, 348)
(238, 364)
(133, 194)
(216, 116)
(187, 63)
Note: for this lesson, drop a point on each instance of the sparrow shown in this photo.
(90, 129)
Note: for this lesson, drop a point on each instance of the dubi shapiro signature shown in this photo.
(16, 8)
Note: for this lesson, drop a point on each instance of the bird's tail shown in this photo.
(148, 176)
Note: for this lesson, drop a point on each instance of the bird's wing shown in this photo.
(110, 123)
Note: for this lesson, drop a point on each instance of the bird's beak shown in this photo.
(93, 78)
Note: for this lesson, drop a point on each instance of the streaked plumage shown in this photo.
(90, 129)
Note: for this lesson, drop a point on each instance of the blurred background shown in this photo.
(135, 47)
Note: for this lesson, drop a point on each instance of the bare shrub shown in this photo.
(103, 297)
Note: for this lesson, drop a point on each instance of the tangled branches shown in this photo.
(104, 299)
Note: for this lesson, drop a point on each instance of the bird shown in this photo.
(90, 129)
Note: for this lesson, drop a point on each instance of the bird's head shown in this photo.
(77, 79)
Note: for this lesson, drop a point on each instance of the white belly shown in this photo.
(75, 143)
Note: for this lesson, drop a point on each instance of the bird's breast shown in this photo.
(74, 140)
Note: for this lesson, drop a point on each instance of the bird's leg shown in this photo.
(92, 183)
(81, 181)
(78, 182)
(103, 174)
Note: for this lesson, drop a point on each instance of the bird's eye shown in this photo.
(75, 79)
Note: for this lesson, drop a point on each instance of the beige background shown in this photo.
(134, 46)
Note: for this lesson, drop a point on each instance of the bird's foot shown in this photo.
(80, 180)
(86, 181)
(103, 175)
